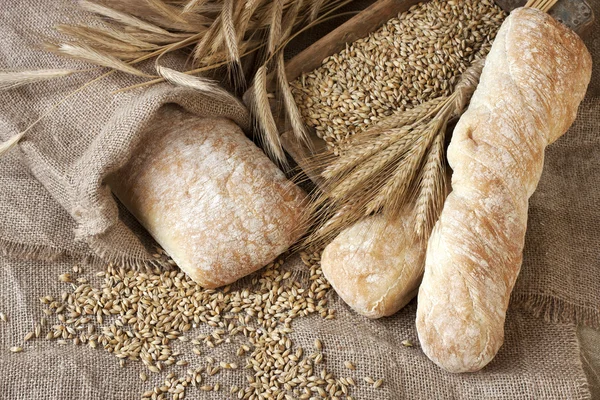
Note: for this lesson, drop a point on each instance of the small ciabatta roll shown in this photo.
(376, 265)
(534, 78)
(212, 199)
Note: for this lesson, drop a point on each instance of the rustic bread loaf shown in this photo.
(218, 206)
(534, 78)
(376, 265)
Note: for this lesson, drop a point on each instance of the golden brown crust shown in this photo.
(534, 78)
(218, 206)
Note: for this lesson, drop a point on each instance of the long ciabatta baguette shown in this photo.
(534, 78)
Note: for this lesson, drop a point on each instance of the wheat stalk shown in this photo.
(231, 36)
(217, 32)
(10, 143)
(262, 112)
(543, 5)
(293, 113)
(432, 188)
(411, 115)
(15, 79)
(193, 5)
(123, 18)
(107, 38)
(206, 86)
(275, 26)
(172, 13)
(393, 194)
(374, 166)
(94, 56)
(399, 162)
(360, 147)
(354, 155)
(202, 48)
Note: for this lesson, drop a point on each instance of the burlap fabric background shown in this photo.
(87, 138)
(55, 211)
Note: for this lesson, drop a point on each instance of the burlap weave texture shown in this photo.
(54, 207)
(88, 136)
(538, 360)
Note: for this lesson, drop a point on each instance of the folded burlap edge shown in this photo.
(582, 384)
(159, 108)
(107, 229)
(103, 255)
(556, 310)
(26, 251)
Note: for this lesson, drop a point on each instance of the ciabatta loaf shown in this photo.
(212, 199)
(376, 265)
(534, 78)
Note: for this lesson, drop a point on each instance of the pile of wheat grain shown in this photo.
(192, 336)
(413, 58)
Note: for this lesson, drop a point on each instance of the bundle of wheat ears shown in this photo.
(399, 162)
(246, 36)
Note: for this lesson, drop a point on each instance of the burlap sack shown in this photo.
(56, 211)
(87, 137)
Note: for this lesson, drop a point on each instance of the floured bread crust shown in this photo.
(534, 78)
(211, 198)
(375, 265)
